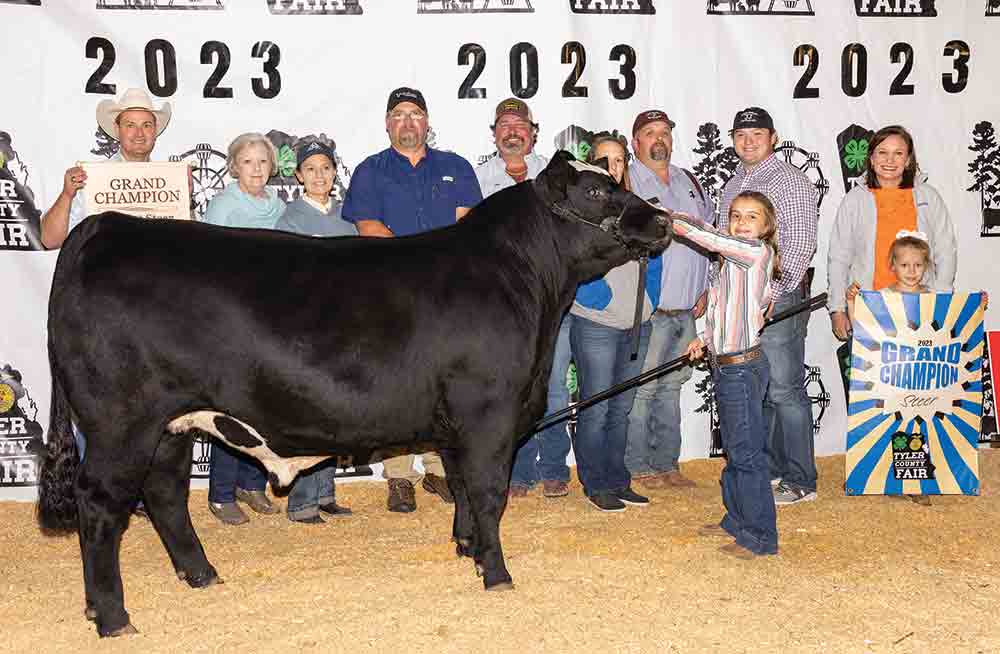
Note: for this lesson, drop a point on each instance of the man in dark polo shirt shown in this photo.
(405, 189)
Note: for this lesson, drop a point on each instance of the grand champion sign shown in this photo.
(916, 394)
(145, 190)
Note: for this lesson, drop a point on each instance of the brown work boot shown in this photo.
(651, 482)
(554, 488)
(676, 479)
(517, 491)
(228, 513)
(713, 531)
(738, 551)
(402, 499)
(257, 500)
(437, 486)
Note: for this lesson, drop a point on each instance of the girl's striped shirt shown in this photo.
(738, 301)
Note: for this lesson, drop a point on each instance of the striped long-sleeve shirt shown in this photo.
(796, 202)
(740, 295)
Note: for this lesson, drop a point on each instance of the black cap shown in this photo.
(405, 94)
(311, 147)
(752, 118)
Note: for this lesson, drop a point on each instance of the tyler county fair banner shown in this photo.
(916, 394)
(829, 71)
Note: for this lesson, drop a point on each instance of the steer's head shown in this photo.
(588, 195)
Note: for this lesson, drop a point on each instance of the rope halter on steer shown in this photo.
(612, 225)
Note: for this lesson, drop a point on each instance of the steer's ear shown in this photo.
(558, 175)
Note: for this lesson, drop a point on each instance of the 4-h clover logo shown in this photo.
(899, 442)
(855, 154)
(286, 161)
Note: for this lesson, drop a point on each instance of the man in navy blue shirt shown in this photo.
(410, 188)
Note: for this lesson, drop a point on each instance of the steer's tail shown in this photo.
(56, 508)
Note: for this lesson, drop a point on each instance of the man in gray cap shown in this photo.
(654, 430)
(514, 132)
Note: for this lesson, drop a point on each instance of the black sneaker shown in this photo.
(606, 502)
(629, 496)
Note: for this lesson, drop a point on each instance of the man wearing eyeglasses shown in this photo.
(405, 189)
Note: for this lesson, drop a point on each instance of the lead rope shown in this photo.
(639, 304)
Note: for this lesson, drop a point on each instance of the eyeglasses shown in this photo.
(415, 116)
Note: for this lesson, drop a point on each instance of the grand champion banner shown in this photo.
(915, 394)
(144, 190)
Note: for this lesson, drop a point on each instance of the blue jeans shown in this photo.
(787, 410)
(312, 488)
(602, 357)
(654, 426)
(543, 456)
(230, 469)
(746, 488)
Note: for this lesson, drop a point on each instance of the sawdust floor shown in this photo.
(868, 574)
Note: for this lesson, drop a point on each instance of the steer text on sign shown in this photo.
(145, 190)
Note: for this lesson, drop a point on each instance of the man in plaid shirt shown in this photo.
(787, 407)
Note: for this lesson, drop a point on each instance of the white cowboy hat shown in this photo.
(108, 110)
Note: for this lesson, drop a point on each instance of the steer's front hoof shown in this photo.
(127, 630)
(201, 579)
(90, 613)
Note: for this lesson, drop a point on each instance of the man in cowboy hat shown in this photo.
(135, 124)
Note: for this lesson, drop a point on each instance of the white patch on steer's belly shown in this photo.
(284, 469)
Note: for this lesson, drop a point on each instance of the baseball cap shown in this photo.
(651, 116)
(516, 107)
(751, 118)
(311, 147)
(405, 94)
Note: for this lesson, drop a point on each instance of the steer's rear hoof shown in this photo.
(127, 630)
(503, 585)
(90, 613)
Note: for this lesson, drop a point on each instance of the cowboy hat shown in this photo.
(108, 110)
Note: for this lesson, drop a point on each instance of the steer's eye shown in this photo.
(595, 193)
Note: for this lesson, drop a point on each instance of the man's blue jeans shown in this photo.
(654, 426)
(312, 488)
(230, 469)
(746, 489)
(602, 357)
(543, 456)
(787, 409)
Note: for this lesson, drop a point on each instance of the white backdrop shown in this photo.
(332, 69)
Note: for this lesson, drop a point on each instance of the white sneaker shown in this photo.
(787, 494)
(775, 482)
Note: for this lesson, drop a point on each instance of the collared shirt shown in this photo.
(795, 200)
(77, 208)
(493, 177)
(321, 207)
(740, 296)
(411, 199)
(685, 269)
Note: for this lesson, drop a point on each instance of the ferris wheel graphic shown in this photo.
(208, 174)
(808, 163)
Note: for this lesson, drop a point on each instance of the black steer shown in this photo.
(293, 349)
